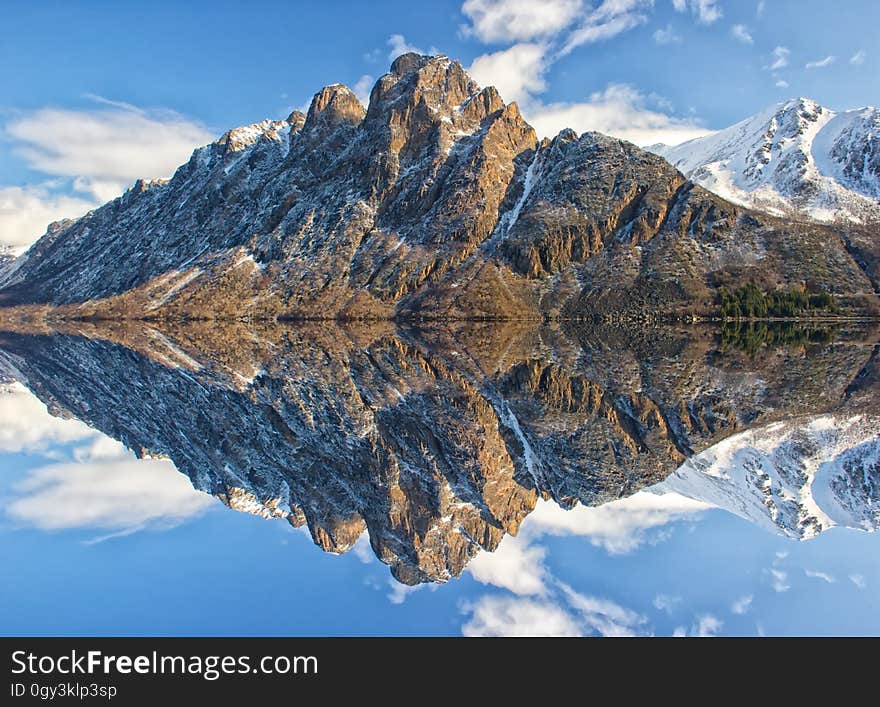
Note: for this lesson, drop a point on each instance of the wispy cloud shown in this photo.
(602, 616)
(510, 616)
(620, 110)
(780, 59)
(399, 592)
(618, 527)
(609, 19)
(824, 576)
(566, 613)
(741, 34)
(519, 71)
(666, 602)
(821, 63)
(120, 494)
(706, 12)
(502, 21)
(705, 626)
(105, 149)
(88, 157)
(398, 45)
(760, 9)
(858, 58)
(667, 35)
(779, 580)
(858, 580)
(742, 605)
(781, 83)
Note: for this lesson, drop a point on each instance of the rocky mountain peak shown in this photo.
(296, 119)
(331, 106)
(420, 91)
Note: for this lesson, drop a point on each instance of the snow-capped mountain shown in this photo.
(796, 478)
(436, 200)
(794, 158)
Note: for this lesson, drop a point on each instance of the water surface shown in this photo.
(477, 479)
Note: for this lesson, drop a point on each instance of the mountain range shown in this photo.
(438, 200)
(438, 440)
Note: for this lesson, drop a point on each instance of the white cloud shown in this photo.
(96, 152)
(571, 614)
(104, 488)
(781, 83)
(618, 527)
(362, 88)
(824, 576)
(362, 549)
(514, 566)
(667, 35)
(741, 34)
(759, 10)
(603, 616)
(516, 20)
(26, 425)
(509, 616)
(399, 592)
(706, 626)
(666, 602)
(609, 19)
(117, 493)
(105, 149)
(516, 72)
(706, 11)
(820, 63)
(858, 580)
(781, 57)
(742, 605)
(398, 45)
(26, 211)
(779, 580)
(858, 58)
(620, 110)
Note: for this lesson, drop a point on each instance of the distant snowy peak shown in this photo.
(798, 479)
(796, 157)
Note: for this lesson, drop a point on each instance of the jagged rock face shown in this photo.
(437, 442)
(436, 201)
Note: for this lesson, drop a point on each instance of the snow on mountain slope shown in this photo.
(796, 157)
(797, 478)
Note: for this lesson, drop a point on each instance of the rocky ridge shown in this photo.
(437, 200)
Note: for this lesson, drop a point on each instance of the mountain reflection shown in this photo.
(439, 440)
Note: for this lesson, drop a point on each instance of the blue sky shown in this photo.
(99, 543)
(96, 94)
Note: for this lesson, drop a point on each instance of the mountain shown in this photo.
(435, 440)
(798, 478)
(796, 159)
(437, 200)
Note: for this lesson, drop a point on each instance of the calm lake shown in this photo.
(459, 479)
